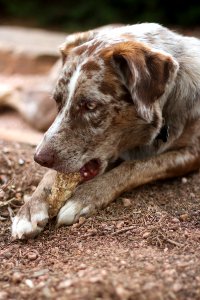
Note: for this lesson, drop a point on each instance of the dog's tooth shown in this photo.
(85, 174)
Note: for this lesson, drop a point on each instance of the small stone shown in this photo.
(3, 295)
(21, 162)
(169, 273)
(33, 188)
(184, 180)
(81, 220)
(95, 279)
(184, 217)
(7, 255)
(122, 293)
(6, 150)
(126, 202)
(120, 224)
(92, 231)
(177, 287)
(2, 194)
(40, 273)
(82, 266)
(103, 272)
(65, 284)
(150, 267)
(4, 178)
(75, 225)
(18, 195)
(146, 235)
(29, 283)
(26, 198)
(81, 273)
(186, 233)
(149, 286)
(17, 277)
(175, 220)
(47, 292)
(192, 195)
(32, 256)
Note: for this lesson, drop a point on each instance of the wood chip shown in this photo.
(184, 217)
(126, 202)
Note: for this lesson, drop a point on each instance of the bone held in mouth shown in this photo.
(62, 189)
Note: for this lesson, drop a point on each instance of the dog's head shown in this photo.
(108, 102)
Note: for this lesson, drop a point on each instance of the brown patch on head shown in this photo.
(63, 81)
(93, 47)
(106, 88)
(81, 49)
(90, 65)
(110, 83)
(144, 72)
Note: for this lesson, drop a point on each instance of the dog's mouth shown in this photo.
(90, 169)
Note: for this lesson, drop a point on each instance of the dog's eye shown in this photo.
(87, 104)
(91, 105)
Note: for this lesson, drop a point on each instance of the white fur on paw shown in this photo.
(71, 212)
(23, 228)
(20, 227)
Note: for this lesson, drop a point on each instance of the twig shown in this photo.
(123, 217)
(7, 160)
(11, 213)
(174, 243)
(89, 234)
(123, 230)
(5, 203)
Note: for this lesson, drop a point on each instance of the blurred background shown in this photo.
(30, 34)
(70, 15)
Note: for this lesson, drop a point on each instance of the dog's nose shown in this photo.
(44, 158)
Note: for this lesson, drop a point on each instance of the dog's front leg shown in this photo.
(33, 215)
(100, 191)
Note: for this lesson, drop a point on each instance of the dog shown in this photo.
(128, 103)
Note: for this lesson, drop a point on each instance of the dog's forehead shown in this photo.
(87, 74)
(81, 71)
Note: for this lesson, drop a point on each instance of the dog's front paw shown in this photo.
(84, 202)
(30, 220)
(73, 210)
(87, 198)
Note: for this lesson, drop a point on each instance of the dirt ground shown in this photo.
(144, 246)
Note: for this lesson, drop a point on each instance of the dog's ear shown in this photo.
(146, 73)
